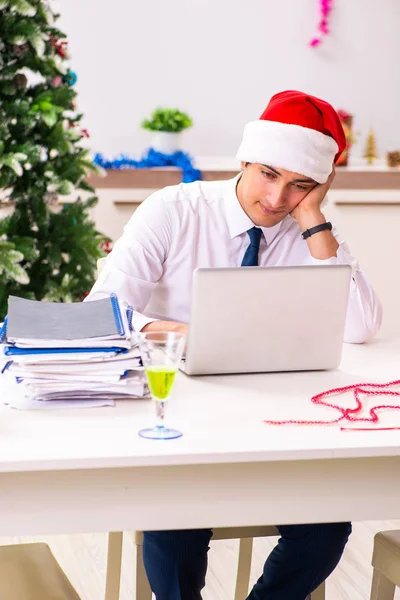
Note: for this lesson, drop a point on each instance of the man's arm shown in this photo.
(364, 310)
(166, 326)
(135, 265)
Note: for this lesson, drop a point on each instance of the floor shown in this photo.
(83, 558)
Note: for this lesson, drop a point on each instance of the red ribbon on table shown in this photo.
(350, 415)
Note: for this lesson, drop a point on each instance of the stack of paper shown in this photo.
(79, 354)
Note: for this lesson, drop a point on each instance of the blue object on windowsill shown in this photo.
(153, 159)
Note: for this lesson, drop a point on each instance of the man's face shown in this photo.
(267, 194)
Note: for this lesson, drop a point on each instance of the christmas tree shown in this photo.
(370, 152)
(46, 252)
(10, 269)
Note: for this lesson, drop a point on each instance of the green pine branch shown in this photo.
(45, 253)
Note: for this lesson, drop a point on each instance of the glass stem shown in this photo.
(160, 413)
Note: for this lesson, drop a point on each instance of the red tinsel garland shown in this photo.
(350, 414)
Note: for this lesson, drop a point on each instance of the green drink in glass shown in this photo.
(160, 380)
(161, 354)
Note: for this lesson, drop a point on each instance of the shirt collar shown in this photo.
(238, 221)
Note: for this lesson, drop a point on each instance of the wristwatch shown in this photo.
(309, 232)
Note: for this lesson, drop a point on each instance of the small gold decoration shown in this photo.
(370, 152)
(393, 159)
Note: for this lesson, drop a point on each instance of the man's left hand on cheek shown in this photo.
(308, 212)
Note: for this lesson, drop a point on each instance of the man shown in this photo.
(270, 215)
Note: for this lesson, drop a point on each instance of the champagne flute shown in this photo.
(161, 354)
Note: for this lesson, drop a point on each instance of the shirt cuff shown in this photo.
(139, 321)
(342, 258)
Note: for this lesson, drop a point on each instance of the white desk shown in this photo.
(88, 470)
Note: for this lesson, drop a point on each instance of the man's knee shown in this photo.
(319, 539)
(328, 540)
(178, 545)
(176, 562)
(176, 537)
(335, 534)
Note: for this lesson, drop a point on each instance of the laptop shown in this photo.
(264, 319)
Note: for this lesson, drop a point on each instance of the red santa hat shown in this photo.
(296, 132)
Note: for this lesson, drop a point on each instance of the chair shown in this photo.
(386, 563)
(30, 572)
(141, 587)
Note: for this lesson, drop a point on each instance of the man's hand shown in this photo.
(166, 326)
(308, 212)
(322, 245)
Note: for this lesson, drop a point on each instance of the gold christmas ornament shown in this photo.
(370, 152)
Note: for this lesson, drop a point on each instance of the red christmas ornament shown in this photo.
(56, 81)
(343, 114)
(60, 47)
(106, 245)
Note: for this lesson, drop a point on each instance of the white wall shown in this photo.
(221, 61)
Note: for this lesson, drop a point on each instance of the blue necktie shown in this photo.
(250, 258)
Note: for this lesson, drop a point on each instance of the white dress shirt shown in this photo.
(202, 224)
